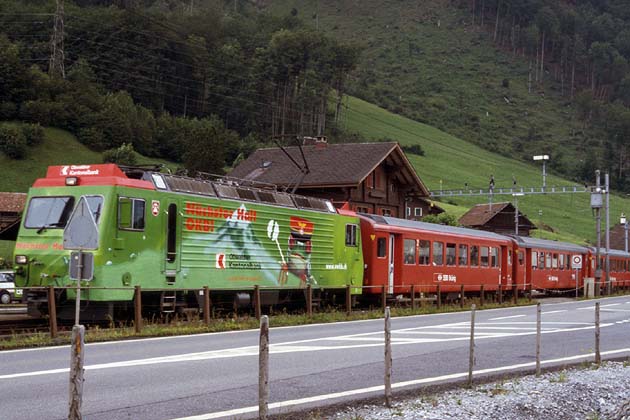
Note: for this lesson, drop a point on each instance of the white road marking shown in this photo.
(507, 317)
(553, 312)
(378, 388)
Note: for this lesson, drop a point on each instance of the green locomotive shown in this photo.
(173, 235)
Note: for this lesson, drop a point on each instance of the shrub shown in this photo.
(414, 149)
(123, 155)
(34, 134)
(8, 110)
(92, 138)
(12, 142)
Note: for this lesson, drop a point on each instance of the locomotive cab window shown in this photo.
(130, 213)
(48, 212)
(351, 235)
(381, 247)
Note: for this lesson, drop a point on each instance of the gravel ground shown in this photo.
(587, 393)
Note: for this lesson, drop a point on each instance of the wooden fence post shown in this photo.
(413, 297)
(206, 305)
(461, 297)
(515, 294)
(538, 337)
(348, 301)
(52, 312)
(138, 309)
(263, 368)
(388, 358)
(471, 358)
(481, 296)
(439, 297)
(309, 300)
(257, 307)
(598, 356)
(76, 372)
(383, 298)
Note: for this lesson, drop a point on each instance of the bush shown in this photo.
(12, 142)
(8, 110)
(34, 134)
(414, 149)
(123, 155)
(92, 138)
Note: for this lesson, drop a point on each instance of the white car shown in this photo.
(8, 292)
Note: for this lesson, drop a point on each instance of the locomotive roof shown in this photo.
(527, 242)
(432, 227)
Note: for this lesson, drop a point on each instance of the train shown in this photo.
(178, 237)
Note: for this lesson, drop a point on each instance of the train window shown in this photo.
(381, 247)
(494, 257)
(554, 260)
(541, 260)
(474, 256)
(534, 259)
(463, 255)
(95, 203)
(424, 248)
(438, 253)
(548, 260)
(130, 213)
(48, 212)
(171, 233)
(521, 258)
(567, 261)
(561, 261)
(351, 235)
(450, 254)
(410, 251)
(485, 256)
(509, 257)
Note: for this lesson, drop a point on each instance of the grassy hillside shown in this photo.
(424, 60)
(450, 162)
(59, 148)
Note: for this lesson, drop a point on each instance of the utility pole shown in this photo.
(56, 66)
(607, 186)
(596, 204)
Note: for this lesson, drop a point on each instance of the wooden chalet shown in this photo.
(11, 208)
(617, 237)
(374, 178)
(496, 217)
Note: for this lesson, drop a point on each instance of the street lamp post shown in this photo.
(516, 195)
(544, 159)
(624, 222)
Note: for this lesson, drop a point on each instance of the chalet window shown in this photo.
(410, 251)
(351, 235)
(381, 247)
(408, 211)
(425, 252)
(463, 255)
(438, 253)
(450, 254)
(417, 211)
(474, 256)
(386, 212)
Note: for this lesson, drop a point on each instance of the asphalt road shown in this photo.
(215, 375)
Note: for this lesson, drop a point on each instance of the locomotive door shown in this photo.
(390, 275)
(172, 257)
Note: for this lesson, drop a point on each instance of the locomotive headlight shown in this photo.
(21, 259)
(72, 180)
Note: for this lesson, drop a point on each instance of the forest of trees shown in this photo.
(199, 86)
(585, 47)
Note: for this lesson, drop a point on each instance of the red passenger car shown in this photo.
(399, 253)
(547, 265)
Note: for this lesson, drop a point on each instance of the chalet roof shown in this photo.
(481, 214)
(12, 202)
(330, 165)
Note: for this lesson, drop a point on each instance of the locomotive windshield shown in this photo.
(48, 212)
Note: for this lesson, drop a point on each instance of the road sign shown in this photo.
(576, 262)
(81, 232)
(86, 273)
